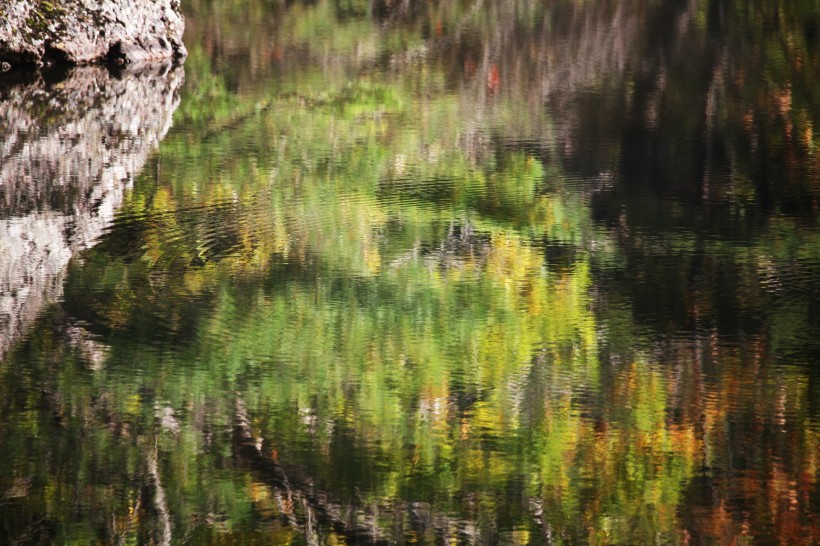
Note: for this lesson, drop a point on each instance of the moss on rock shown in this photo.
(33, 32)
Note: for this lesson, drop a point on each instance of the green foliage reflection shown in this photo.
(362, 295)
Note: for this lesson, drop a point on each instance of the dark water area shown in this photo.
(514, 272)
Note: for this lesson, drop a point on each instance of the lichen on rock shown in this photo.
(34, 32)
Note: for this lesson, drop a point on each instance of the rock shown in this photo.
(36, 32)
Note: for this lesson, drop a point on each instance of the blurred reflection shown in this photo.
(69, 150)
(512, 272)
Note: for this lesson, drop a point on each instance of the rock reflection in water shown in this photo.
(68, 152)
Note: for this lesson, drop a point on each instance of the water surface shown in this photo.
(519, 272)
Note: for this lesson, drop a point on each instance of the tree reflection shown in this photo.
(515, 272)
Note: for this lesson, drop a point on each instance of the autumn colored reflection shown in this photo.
(522, 272)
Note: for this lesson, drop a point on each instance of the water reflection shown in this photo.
(69, 150)
(518, 272)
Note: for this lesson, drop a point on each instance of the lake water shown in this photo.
(513, 272)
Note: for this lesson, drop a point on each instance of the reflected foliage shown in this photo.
(515, 272)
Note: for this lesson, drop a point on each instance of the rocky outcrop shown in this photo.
(33, 32)
(68, 153)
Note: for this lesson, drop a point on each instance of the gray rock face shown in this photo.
(34, 32)
(68, 153)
